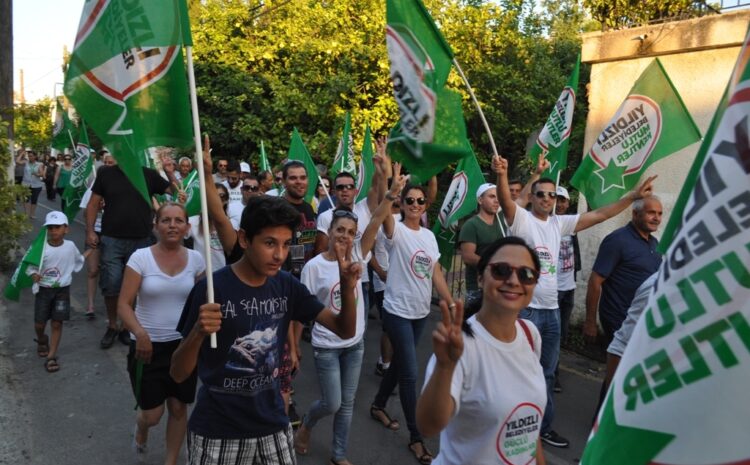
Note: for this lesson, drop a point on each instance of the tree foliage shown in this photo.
(12, 223)
(616, 14)
(33, 124)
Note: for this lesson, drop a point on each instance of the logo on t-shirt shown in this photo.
(253, 354)
(516, 441)
(51, 277)
(545, 259)
(421, 265)
(336, 296)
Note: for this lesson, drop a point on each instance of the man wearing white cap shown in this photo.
(245, 171)
(478, 232)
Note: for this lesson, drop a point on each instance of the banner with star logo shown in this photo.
(679, 395)
(652, 123)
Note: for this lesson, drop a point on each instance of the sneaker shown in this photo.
(124, 337)
(108, 339)
(558, 386)
(554, 439)
(294, 419)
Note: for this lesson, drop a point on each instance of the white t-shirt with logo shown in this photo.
(218, 259)
(544, 237)
(566, 280)
(234, 212)
(413, 256)
(500, 396)
(235, 193)
(321, 277)
(362, 210)
(58, 265)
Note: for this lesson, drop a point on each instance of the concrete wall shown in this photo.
(698, 55)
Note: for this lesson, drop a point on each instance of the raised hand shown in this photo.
(646, 189)
(209, 319)
(499, 165)
(208, 165)
(542, 164)
(349, 271)
(398, 182)
(447, 338)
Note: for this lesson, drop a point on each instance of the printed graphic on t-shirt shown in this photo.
(565, 262)
(336, 296)
(421, 265)
(516, 442)
(545, 259)
(215, 242)
(50, 277)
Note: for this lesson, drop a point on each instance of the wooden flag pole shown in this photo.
(476, 103)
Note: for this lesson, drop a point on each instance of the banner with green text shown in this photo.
(366, 167)
(344, 160)
(82, 175)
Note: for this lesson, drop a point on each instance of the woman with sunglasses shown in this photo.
(62, 178)
(413, 271)
(477, 421)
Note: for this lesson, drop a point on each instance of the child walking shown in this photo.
(60, 260)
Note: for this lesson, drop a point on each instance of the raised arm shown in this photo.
(224, 229)
(541, 165)
(588, 219)
(382, 212)
(500, 167)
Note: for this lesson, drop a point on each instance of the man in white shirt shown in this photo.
(543, 232)
(233, 182)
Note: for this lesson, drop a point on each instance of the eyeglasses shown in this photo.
(501, 271)
(345, 214)
(341, 187)
(248, 187)
(541, 194)
(411, 200)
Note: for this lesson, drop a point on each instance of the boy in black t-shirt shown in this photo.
(239, 416)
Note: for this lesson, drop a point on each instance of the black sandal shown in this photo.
(426, 457)
(385, 419)
(51, 365)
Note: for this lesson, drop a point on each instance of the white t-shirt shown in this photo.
(321, 277)
(84, 204)
(235, 193)
(58, 265)
(363, 219)
(161, 297)
(218, 259)
(234, 212)
(413, 256)
(500, 396)
(566, 280)
(381, 255)
(272, 192)
(544, 237)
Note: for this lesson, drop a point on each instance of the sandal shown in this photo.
(426, 457)
(42, 346)
(51, 365)
(380, 415)
(90, 314)
(302, 440)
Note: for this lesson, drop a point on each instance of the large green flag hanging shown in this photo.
(344, 160)
(81, 177)
(264, 165)
(650, 124)
(366, 167)
(127, 78)
(63, 130)
(33, 257)
(460, 201)
(555, 135)
(679, 395)
(298, 151)
(431, 132)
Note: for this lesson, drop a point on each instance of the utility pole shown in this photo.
(6, 66)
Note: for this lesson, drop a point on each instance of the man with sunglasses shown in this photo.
(221, 170)
(543, 232)
(233, 182)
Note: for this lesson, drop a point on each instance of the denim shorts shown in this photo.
(52, 303)
(115, 255)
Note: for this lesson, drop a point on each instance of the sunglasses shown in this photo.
(411, 200)
(345, 214)
(502, 271)
(342, 187)
(222, 165)
(541, 194)
(247, 187)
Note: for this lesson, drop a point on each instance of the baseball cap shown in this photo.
(562, 192)
(484, 188)
(244, 167)
(55, 218)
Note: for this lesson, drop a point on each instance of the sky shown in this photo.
(40, 30)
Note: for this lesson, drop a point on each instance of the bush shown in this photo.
(12, 223)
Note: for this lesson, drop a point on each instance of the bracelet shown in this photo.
(390, 196)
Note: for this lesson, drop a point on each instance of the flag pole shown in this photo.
(330, 200)
(35, 286)
(202, 183)
(476, 103)
(500, 223)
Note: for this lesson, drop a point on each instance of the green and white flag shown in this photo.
(366, 167)
(191, 186)
(344, 160)
(127, 78)
(63, 130)
(33, 257)
(460, 201)
(555, 135)
(652, 123)
(431, 133)
(264, 165)
(81, 177)
(679, 395)
(298, 151)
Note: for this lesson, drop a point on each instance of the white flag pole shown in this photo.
(202, 183)
(476, 103)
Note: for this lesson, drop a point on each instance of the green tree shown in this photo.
(616, 14)
(12, 223)
(33, 124)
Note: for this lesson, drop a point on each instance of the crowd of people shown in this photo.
(285, 270)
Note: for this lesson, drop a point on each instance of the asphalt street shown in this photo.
(84, 414)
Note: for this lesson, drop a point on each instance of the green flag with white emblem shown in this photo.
(344, 161)
(82, 175)
(33, 257)
(298, 152)
(366, 167)
(63, 130)
(263, 165)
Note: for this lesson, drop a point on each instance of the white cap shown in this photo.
(55, 218)
(562, 192)
(244, 167)
(484, 188)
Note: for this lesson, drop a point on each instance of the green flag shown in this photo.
(33, 256)
(264, 165)
(191, 186)
(127, 78)
(63, 130)
(650, 124)
(555, 135)
(679, 395)
(460, 201)
(344, 160)
(81, 177)
(431, 132)
(298, 151)
(366, 167)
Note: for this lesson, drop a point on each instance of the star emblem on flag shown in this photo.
(612, 176)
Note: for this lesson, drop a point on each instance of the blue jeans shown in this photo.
(115, 255)
(547, 321)
(338, 376)
(404, 335)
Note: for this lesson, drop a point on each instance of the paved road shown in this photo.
(84, 413)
